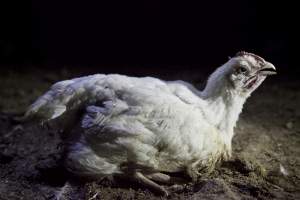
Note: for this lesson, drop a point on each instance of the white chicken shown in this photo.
(143, 127)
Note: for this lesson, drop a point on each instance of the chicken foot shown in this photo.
(142, 179)
(149, 180)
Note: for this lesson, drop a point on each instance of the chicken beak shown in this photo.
(268, 69)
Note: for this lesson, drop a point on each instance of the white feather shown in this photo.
(150, 123)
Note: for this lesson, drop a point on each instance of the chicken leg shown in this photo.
(141, 178)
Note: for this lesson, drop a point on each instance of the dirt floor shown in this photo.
(265, 165)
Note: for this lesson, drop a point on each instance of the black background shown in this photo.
(197, 34)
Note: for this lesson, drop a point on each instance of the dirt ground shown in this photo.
(265, 165)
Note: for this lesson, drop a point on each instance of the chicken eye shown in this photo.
(242, 70)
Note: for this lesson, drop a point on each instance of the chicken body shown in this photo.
(147, 125)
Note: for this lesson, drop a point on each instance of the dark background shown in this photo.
(144, 34)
